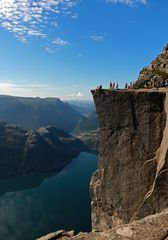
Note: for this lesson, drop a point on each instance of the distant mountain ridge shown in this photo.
(83, 107)
(32, 113)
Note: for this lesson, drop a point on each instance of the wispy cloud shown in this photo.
(60, 42)
(28, 90)
(28, 18)
(128, 2)
(40, 89)
(48, 49)
(98, 37)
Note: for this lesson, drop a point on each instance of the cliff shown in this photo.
(129, 190)
(24, 152)
(131, 181)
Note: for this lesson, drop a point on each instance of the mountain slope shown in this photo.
(156, 74)
(33, 113)
(25, 152)
(88, 123)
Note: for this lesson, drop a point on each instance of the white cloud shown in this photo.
(49, 50)
(28, 18)
(79, 94)
(76, 95)
(60, 42)
(128, 2)
(98, 37)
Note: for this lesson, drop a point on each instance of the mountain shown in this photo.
(90, 139)
(25, 152)
(83, 107)
(87, 130)
(88, 123)
(32, 113)
(157, 72)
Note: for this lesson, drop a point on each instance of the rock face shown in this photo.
(131, 182)
(57, 235)
(157, 72)
(24, 152)
(153, 227)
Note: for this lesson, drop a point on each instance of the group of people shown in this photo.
(129, 86)
(113, 85)
(133, 85)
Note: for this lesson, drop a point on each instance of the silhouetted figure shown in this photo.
(111, 85)
(116, 85)
(126, 85)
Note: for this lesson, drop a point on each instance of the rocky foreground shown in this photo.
(24, 152)
(153, 227)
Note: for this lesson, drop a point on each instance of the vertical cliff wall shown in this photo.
(131, 181)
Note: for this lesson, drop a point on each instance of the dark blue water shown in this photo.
(36, 205)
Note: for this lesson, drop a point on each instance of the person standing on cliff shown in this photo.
(117, 85)
(131, 85)
(111, 85)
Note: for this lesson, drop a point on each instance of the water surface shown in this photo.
(36, 205)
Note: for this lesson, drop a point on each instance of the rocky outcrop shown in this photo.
(58, 235)
(156, 73)
(26, 152)
(153, 227)
(131, 182)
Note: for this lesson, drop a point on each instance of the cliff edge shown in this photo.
(131, 181)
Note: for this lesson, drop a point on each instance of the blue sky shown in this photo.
(64, 48)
